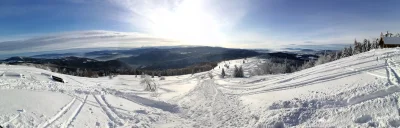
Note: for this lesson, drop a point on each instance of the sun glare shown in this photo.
(189, 23)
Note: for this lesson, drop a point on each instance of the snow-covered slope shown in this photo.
(358, 91)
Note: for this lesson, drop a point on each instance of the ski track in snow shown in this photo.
(11, 119)
(111, 107)
(110, 114)
(369, 73)
(75, 114)
(393, 69)
(213, 104)
(58, 115)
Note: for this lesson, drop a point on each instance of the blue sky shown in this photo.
(45, 25)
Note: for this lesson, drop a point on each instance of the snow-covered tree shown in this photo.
(357, 47)
(350, 51)
(369, 45)
(336, 57)
(210, 75)
(344, 53)
(308, 64)
(238, 72)
(149, 84)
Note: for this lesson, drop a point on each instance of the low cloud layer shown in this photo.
(82, 39)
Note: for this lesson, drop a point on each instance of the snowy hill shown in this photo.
(358, 91)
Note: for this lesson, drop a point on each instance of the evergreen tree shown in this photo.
(336, 56)
(350, 51)
(344, 53)
(357, 47)
(238, 72)
(241, 72)
(369, 45)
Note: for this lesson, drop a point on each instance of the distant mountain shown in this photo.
(300, 49)
(159, 59)
(20, 59)
(54, 56)
(140, 58)
(71, 63)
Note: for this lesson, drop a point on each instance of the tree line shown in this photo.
(287, 66)
(124, 71)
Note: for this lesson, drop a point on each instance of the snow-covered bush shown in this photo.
(143, 75)
(226, 66)
(149, 84)
(210, 75)
(162, 78)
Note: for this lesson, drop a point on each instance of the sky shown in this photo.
(53, 25)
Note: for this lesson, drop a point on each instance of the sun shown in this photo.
(189, 23)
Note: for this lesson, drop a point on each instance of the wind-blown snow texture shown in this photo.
(358, 91)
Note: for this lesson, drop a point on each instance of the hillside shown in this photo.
(357, 91)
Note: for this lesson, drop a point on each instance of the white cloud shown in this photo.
(83, 39)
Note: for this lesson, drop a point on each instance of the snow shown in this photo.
(358, 91)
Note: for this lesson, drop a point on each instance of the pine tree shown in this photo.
(350, 51)
(336, 56)
(344, 53)
(238, 72)
(357, 47)
(369, 45)
(241, 72)
(365, 46)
